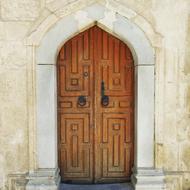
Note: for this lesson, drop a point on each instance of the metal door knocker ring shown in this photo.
(82, 100)
(105, 100)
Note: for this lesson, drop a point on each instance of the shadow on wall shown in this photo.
(187, 62)
(187, 49)
(186, 154)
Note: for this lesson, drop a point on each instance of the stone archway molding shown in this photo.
(43, 45)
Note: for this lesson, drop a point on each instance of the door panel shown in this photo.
(75, 78)
(74, 135)
(114, 123)
(95, 141)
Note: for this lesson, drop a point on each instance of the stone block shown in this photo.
(174, 181)
(148, 179)
(24, 10)
(44, 179)
(170, 157)
(93, 13)
(12, 54)
(186, 181)
(15, 31)
(2, 32)
(184, 154)
(17, 181)
(13, 130)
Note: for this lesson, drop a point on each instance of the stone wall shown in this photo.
(170, 19)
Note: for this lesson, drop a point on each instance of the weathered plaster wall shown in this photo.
(16, 18)
(170, 19)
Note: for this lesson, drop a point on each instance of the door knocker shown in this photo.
(81, 100)
(104, 98)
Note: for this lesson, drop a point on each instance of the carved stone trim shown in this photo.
(17, 181)
(43, 179)
(56, 10)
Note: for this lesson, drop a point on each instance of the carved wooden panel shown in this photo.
(114, 123)
(95, 141)
(75, 148)
(75, 78)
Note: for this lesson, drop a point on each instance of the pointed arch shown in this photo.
(44, 43)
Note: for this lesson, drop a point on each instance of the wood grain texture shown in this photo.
(95, 142)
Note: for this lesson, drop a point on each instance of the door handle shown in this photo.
(104, 98)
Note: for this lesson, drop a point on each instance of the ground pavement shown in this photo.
(119, 186)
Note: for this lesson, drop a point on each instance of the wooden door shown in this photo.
(95, 139)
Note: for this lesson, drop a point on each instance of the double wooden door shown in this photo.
(95, 74)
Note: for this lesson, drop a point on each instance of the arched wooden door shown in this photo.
(95, 74)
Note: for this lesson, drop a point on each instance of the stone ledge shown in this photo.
(47, 179)
(148, 179)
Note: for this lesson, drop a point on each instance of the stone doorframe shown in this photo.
(43, 45)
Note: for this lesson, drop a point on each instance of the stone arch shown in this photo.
(45, 43)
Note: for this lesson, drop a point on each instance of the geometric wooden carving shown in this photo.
(95, 141)
(114, 153)
(74, 82)
(116, 126)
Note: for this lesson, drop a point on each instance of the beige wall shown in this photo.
(169, 18)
